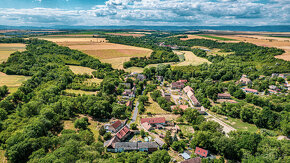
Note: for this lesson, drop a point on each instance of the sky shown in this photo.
(144, 12)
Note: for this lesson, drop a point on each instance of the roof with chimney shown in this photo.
(201, 152)
(117, 124)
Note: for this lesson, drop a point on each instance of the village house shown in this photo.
(201, 152)
(141, 77)
(110, 144)
(114, 127)
(272, 91)
(159, 142)
(167, 96)
(193, 99)
(146, 126)
(182, 81)
(224, 96)
(245, 81)
(177, 85)
(123, 133)
(154, 121)
(273, 87)
(187, 89)
(128, 93)
(248, 90)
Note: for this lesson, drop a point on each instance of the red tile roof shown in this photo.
(153, 120)
(251, 90)
(187, 89)
(129, 103)
(116, 124)
(147, 126)
(201, 152)
(224, 95)
(123, 132)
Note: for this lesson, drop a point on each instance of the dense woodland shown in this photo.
(31, 128)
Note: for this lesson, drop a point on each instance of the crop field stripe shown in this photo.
(217, 38)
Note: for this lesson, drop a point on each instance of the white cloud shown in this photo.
(158, 12)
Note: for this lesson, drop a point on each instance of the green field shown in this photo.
(80, 92)
(217, 38)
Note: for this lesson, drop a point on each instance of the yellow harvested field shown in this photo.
(282, 43)
(100, 48)
(81, 70)
(64, 40)
(134, 69)
(95, 80)
(194, 37)
(12, 80)
(190, 59)
(126, 34)
(7, 49)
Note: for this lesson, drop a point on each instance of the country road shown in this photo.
(135, 113)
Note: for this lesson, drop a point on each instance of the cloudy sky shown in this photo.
(144, 12)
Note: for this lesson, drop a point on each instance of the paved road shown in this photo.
(135, 113)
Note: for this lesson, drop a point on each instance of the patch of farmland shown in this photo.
(66, 41)
(81, 70)
(126, 34)
(12, 81)
(283, 43)
(190, 59)
(7, 49)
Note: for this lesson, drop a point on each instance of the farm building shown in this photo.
(177, 85)
(128, 93)
(110, 144)
(224, 96)
(272, 91)
(245, 81)
(154, 121)
(159, 142)
(201, 152)
(134, 146)
(123, 133)
(248, 90)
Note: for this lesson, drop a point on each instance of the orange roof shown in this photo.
(183, 107)
(146, 125)
(123, 132)
(153, 120)
(201, 152)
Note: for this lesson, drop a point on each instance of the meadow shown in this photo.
(81, 70)
(12, 81)
(7, 49)
(190, 59)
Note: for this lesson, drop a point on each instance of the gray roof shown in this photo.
(159, 141)
(127, 145)
(148, 145)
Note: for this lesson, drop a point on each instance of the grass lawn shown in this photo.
(238, 124)
(217, 38)
(175, 155)
(153, 107)
(80, 92)
(94, 127)
(186, 129)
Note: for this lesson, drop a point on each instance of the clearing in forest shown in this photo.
(12, 81)
(153, 107)
(7, 49)
(81, 70)
(115, 54)
(81, 92)
(190, 59)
